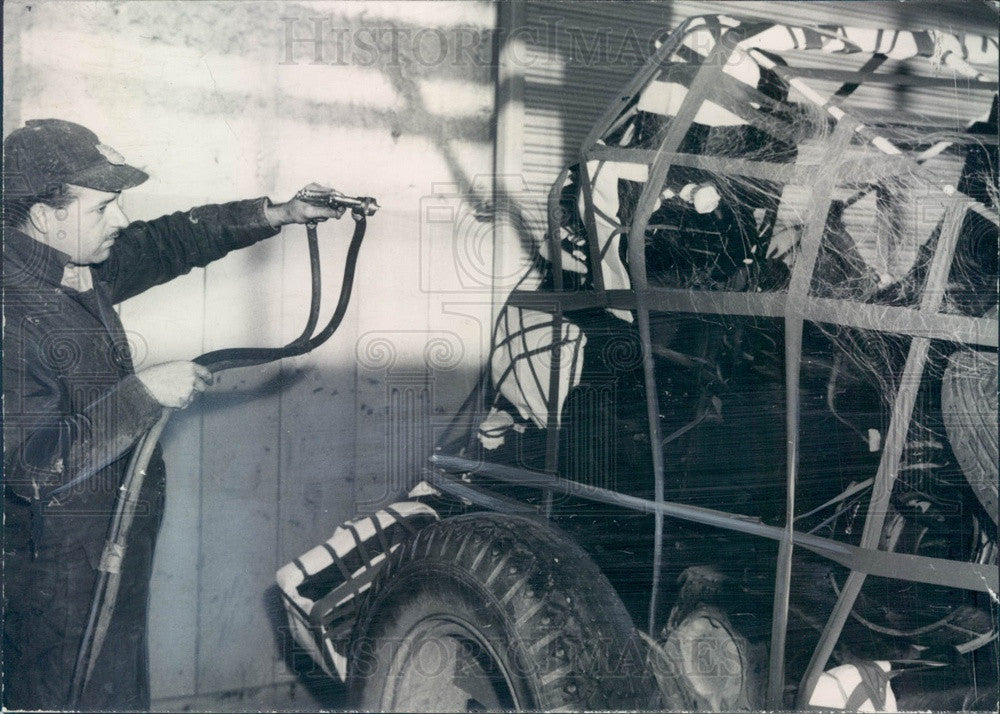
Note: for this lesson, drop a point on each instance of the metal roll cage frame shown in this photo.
(795, 306)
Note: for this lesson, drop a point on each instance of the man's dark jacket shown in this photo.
(73, 410)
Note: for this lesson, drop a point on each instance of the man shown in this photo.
(74, 406)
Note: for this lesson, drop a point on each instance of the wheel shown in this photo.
(969, 403)
(707, 665)
(489, 612)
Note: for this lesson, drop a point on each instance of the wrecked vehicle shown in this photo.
(738, 450)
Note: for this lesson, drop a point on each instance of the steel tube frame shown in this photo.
(902, 566)
(899, 425)
(710, 68)
(978, 331)
(802, 272)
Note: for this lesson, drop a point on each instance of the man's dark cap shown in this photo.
(46, 153)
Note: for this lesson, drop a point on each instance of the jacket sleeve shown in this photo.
(148, 253)
(46, 443)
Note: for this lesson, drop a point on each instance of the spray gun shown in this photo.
(359, 205)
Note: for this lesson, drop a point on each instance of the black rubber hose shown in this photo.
(231, 358)
(106, 589)
(316, 286)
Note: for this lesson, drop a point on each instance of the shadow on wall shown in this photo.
(245, 504)
(402, 414)
(488, 202)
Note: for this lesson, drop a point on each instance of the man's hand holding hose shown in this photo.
(175, 384)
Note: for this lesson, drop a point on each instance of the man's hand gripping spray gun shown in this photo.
(360, 206)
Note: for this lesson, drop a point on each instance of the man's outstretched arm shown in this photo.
(149, 253)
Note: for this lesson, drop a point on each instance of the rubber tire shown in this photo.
(544, 606)
(969, 406)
